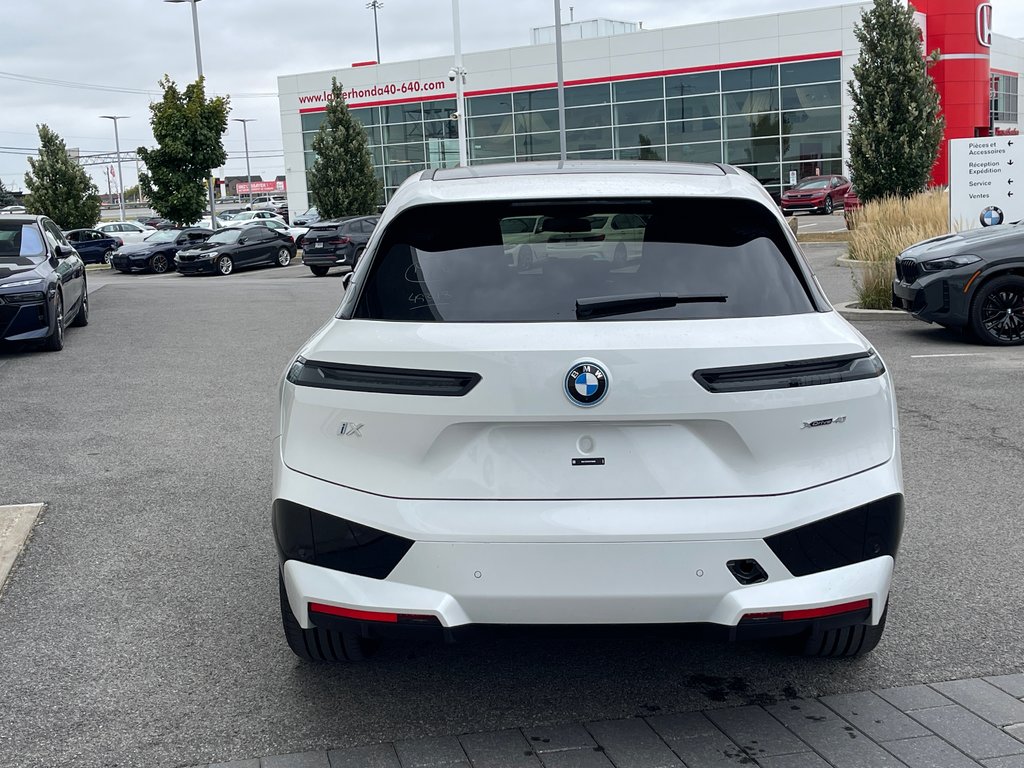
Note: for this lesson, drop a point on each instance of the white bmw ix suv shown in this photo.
(691, 435)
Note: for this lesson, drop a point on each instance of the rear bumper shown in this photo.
(593, 563)
(319, 259)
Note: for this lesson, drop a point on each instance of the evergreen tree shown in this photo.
(6, 198)
(59, 187)
(896, 126)
(341, 181)
(189, 131)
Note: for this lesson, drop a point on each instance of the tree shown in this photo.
(896, 126)
(341, 181)
(59, 187)
(6, 198)
(189, 131)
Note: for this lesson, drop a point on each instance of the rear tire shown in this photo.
(284, 257)
(843, 642)
(55, 341)
(107, 257)
(319, 644)
(82, 318)
(828, 206)
(319, 271)
(357, 256)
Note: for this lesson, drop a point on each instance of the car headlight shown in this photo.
(20, 283)
(210, 255)
(949, 262)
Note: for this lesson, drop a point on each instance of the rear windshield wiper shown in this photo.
(603, 306)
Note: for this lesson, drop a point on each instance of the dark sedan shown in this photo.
(42, 282)
(93, 246)
(818, 194)
(972, 280)
(237, 248)
(336, 243)
(156, 252)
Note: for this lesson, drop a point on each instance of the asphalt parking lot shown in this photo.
(141, 626)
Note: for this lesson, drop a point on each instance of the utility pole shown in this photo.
(376, 5)
(117, 147)
(245, 132)
(561, 80)
(460, 81)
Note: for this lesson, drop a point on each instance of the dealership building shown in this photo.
(766, 93)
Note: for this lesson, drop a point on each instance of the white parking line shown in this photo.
(954, 354)
(16, 524)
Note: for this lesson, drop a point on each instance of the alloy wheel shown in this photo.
(284, 257)
(1002, 314)
(225, 265)
(159, 263)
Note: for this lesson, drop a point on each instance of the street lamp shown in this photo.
(117, 146)
(245, 132)
(458, 74)
(376, 4)
(199, 69)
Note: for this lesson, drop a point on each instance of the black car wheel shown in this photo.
(284, 257)
(82, 318)
(159, 263)
(843, 642)
(319, 271)
(225, 266)
(358, 255)
(55, 341)
(997, 313)
(107, 257)
(828, 206)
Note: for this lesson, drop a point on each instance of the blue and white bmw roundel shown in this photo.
(586, 384)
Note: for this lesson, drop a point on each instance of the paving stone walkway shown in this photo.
(955, 724)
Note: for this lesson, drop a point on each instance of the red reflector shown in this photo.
(829, 610)
(762, 616)
(349, 613)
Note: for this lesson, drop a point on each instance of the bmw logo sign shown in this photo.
(586, 384)
(991, 216)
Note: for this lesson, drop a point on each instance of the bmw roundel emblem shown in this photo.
(586, 384)
(991, 216)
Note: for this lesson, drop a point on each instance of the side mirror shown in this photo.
(243, 240)
(61, 252)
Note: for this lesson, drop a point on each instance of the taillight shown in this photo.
(395, 381)
(340, 241)
(805, 614)
(795, 373)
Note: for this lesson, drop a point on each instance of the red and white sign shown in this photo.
(261, 187)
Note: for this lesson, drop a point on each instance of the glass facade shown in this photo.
(1004, 98)
(769, 120)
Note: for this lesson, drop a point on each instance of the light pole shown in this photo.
(245, 132)
(376, 5)
(458, 74)
(199, 69)
(561, 80)
(117, 147)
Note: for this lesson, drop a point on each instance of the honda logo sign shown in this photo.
(985, 24)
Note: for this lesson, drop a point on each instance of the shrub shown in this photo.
(882, 230)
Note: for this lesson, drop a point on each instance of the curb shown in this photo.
(16, 524)
(851, 311)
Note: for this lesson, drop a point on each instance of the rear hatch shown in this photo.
(325, 239)
(449, 377)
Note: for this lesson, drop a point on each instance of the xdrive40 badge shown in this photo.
(586, 384)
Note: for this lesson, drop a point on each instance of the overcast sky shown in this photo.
(123, 45)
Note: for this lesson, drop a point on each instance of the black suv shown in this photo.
(336, 243)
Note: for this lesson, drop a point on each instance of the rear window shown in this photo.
(516, 261)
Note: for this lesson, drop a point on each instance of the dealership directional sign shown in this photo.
(986, 181)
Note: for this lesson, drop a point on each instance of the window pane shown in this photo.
(307, 141)
(812, 121)
(536, 122)
(810, 96)
(696, 153)
(695, 106)
(750, 151)
(366, 115)
(530, 101)
(640, 112)
(438, 110)
(378, 155)
(442, 153)
(594, 138)
(536, 143)
(404, 153)
(313, 121)
(694, 130)
(489, 105)
(441, 129)
(635, 90)
(600, 154)
(403, 113)
(537, 158)
(398, 134)
(396, 174)
(588, 117)
(639, 135)
(814, 145)
(812, 167)
(583, 95)
(310, 158)
(641, 153)
(750, 77)
(494, 125)
(687, 85)
(766, 174)
(810, 71)
(490, 148)
(746, 102)
(753, 126)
